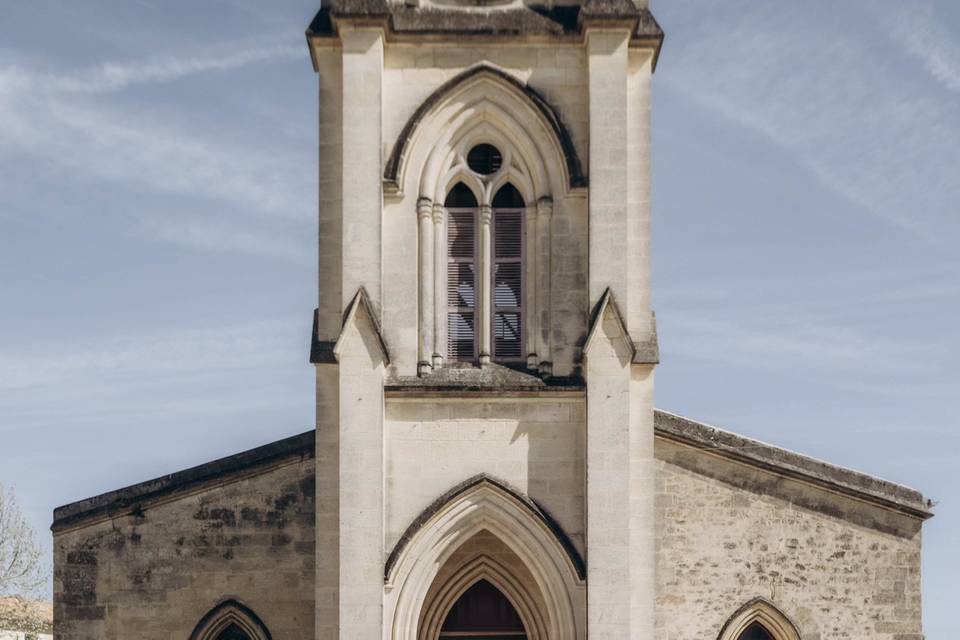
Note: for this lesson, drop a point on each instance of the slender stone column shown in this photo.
(485, 282)
(439, 286)
(427, 315)
(530, 287)
(544, 226)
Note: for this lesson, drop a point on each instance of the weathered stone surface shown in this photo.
(727, 533)
(155, 572)
(791, 464)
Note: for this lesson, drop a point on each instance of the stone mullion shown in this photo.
(485, 283)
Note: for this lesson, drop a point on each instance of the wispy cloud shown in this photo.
(917, 30)
(780, 345)
(225, 235)
(822, 91)
(878, 333)
(111, 76)
(74, 124)
(128, 358)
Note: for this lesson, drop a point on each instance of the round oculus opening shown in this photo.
(484, 159)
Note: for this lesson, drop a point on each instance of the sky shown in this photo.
(158, 179)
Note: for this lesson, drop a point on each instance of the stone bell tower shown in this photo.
(484, 343)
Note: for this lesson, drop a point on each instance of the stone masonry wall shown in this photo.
(535, 445)
(727, 533)
(153, 575)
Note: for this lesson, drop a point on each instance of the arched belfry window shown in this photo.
(483, 612)
(486, 128)
(469, 276)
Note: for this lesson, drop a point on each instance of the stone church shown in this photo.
(487, 462)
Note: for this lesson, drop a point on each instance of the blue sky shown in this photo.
(157, 229)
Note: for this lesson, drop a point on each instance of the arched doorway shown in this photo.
(483, 612)
(483, 530)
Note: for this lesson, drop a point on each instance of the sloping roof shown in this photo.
(20, 614)
(135, 497)
(667, 425)
(790, 464)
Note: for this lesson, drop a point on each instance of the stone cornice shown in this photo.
(526, 23)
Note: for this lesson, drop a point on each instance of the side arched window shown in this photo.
(230, 620)
(759, 619)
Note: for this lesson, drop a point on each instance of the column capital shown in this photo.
(486, 213)
(424, 208)
(438, 212)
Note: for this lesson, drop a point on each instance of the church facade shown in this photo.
(487, 461)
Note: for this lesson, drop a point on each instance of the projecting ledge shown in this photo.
(490, 380)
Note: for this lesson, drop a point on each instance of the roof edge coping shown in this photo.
(789, 463)
(130, 499)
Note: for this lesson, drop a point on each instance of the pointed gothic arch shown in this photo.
(481, 505)
(764, 613)
(485, 106)
(483, 568)
(484, 92)
(230, 620)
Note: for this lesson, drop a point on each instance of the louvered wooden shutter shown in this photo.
(508, 254)
(461, 285)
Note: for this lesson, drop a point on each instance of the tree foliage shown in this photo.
(23, 569)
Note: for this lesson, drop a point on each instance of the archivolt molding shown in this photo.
(519, 118)
(762, 611)
(483, 568)
(484, 505)
(225, 614)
